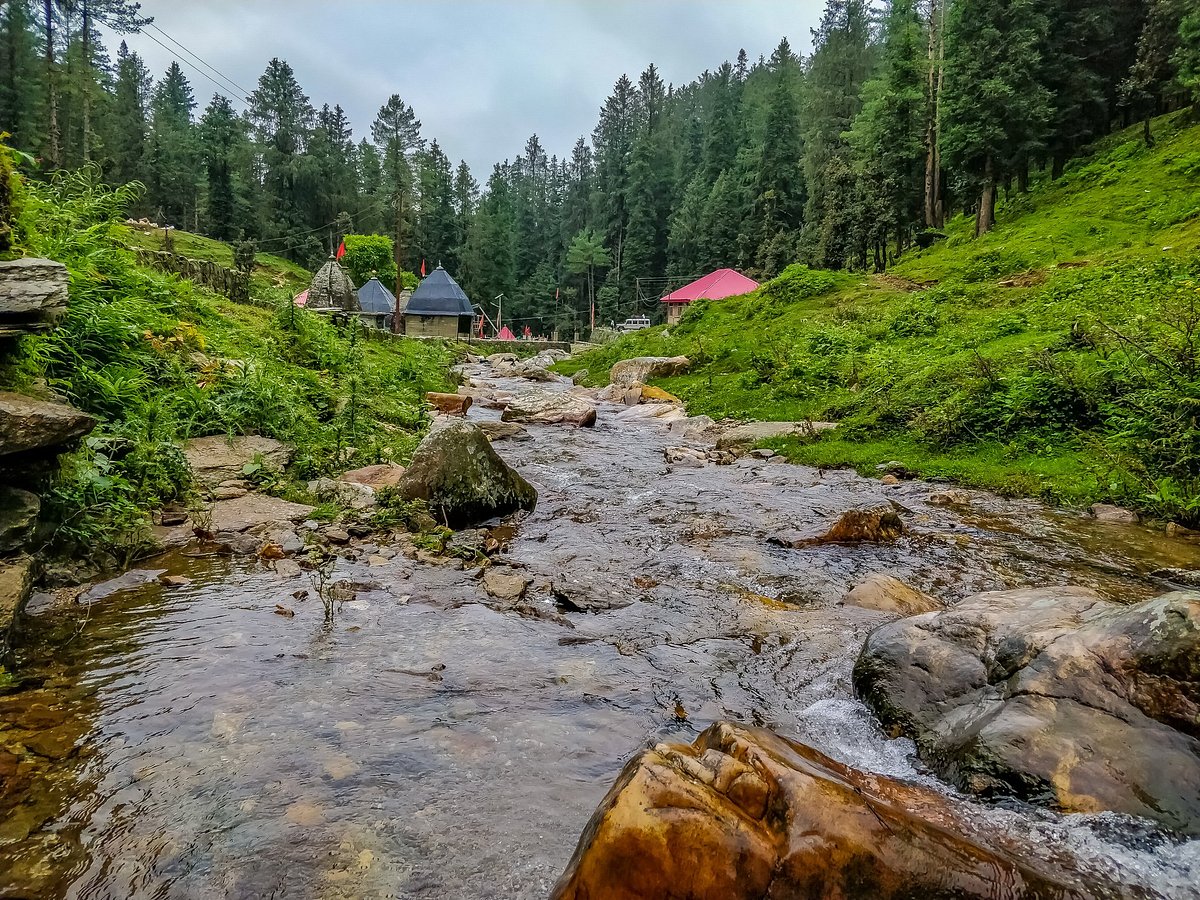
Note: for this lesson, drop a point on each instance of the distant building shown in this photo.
(438, 308)
(377, 303)
(331, 290)
(715, 286)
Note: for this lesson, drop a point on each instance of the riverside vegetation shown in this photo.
(157, 360)
(1057, 356)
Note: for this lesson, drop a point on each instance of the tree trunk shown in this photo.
(987, 200)
(1058, 165)
(1023, 176)
(87, 85)
(53, 150)
(934, 216)
(396, 253)
(1147, 135)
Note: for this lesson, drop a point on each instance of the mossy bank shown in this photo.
(158, 360)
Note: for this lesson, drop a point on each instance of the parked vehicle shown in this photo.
(634, 323)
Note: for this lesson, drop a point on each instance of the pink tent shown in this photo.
(506, 335)
(715, 286)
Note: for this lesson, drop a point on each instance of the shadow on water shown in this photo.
(433, 744)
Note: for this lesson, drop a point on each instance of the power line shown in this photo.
(229, 81)
(222, 87)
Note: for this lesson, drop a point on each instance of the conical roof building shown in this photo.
(332, 289)
(438, 308)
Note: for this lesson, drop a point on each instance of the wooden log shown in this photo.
(449, 404)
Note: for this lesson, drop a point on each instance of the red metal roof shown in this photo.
(716, 286)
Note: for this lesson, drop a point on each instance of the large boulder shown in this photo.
(743, 814)
(1054, 695)
(33, 292)
(254, 511)
(751, 433)
(375, 477)
(640, 370)
(28, 424)
(218, 458)
(550, 408)
(464, 481)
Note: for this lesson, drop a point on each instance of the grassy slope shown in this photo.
(269, 272)
(157, 360)
(982, 383)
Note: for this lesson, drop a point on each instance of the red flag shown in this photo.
(341, 250)
(422, 268)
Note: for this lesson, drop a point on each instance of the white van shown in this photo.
(634, 323)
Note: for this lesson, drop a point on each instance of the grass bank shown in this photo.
(158, 360)
(1058, 356)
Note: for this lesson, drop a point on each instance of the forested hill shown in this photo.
(1055, 356)
(904, 112)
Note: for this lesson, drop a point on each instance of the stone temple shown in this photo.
(332, 289)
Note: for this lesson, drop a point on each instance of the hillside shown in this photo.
(158, 360)
(1057, 356)
(270, 271)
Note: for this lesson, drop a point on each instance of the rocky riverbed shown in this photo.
(451, 731)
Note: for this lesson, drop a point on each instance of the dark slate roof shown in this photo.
(374, 297)
(439, 295)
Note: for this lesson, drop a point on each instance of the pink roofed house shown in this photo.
(715, 286)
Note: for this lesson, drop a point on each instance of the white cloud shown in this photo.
(482, 75)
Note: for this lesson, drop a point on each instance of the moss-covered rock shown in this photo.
(464, 481)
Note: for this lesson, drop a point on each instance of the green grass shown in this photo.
(269, 271)
(158, 360)
(1076, 381)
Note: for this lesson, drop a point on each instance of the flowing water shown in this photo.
(429, 743)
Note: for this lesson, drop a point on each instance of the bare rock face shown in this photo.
(541, 407)
(1105, 512)
(462, 478)
(743, 814)
(1053, 695)
(219, 458)
(33, 292)
(28, 424)
(642, 369)
(883, 593)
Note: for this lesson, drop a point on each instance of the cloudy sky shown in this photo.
(482, 75)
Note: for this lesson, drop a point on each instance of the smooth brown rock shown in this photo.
(27, 424)
(375, 477)
(504, 431)
(449, 404)
(543, 407)
(220, 458)
(857, 526)
(253, 511)
(1053, 695)
(505, 585)
(743, 814)
(883, 593)
(1106, 512)
(651, 394)
(643, 368)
